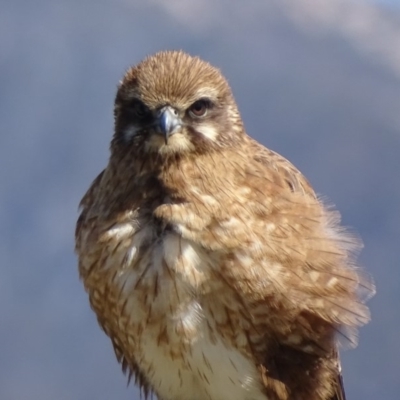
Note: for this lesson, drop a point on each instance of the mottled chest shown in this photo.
(160, 277)
(173, 317)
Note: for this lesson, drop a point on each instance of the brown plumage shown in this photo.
(208, 259)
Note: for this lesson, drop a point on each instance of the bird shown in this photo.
(209, 260)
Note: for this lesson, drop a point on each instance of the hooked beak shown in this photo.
(168, 122)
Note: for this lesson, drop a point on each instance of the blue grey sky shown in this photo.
(393, 3)
(318, 82)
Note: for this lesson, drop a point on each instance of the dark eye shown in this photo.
(138, 108)
(199, 108)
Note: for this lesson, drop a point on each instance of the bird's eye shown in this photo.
(199, 108)
(138, 108)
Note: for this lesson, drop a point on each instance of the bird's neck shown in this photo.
(162, 176)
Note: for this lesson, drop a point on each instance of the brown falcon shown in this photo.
(211, 264)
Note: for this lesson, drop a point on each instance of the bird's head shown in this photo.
(172, 103)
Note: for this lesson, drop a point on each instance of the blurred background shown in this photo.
(316, 80)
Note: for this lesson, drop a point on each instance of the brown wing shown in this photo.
(85, 203)
(290, 373)
(86, 225)
(274, 161)
(308, 365)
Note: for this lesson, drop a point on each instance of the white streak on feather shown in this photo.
(209, 92)
(119, 231)
(231, 223)
(207, 130)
